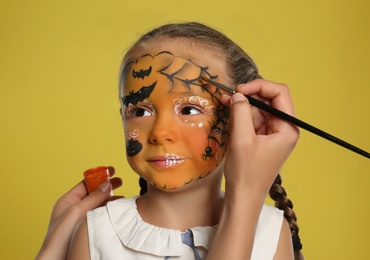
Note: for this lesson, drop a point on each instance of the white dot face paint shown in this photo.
(193, 105)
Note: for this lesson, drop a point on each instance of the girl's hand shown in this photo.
(68, 211)
(259, 143)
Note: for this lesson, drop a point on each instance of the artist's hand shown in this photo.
(259, 143)
(68, 211)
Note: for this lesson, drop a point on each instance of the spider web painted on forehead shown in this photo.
(188, 64)
(168, 70)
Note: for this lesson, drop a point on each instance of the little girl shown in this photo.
(182, 136)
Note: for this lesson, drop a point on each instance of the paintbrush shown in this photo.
(280, 114)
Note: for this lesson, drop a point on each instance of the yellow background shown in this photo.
(59, 107)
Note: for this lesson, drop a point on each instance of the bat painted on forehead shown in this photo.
(134, 98)
(141, 73)
(280, 114)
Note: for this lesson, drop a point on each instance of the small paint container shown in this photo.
(95, 176)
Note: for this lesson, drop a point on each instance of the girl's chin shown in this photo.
(169, 186)
(172, 186)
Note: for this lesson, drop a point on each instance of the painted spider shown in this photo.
(208, 155)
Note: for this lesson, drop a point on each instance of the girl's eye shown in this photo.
(190, 111)
(133, 111)
(140, 112)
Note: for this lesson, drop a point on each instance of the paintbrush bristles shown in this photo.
(218, 84)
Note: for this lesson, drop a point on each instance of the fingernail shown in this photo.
(104, 186)
(238, 97)
(111, 170)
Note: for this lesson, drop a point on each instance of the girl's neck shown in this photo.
(197, 205)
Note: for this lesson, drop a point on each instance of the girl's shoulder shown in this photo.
(267, 232)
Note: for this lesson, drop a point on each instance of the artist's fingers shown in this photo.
(111, 171)
(259, 117)
(278, 93)
(80, 191)
(116, 182)
(70, 211)
(225, 99)
(80, 202)
(241, 118)
(280, 98)
(61, 229)
(78, 210)
(73, 196)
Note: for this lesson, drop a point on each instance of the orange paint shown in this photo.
(95, 176)
(177, 134)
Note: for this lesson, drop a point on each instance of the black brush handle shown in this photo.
(280, 114)
(308, 127)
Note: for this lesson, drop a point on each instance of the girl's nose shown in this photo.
(165, 129)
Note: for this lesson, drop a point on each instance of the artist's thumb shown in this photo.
(97, 197)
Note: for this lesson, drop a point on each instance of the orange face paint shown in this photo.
(95, 176)
(175, 129)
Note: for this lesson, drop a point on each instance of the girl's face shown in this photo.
(175, 128)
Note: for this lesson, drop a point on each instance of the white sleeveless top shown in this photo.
(116, 231)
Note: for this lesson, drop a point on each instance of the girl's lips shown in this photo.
(169, 160)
